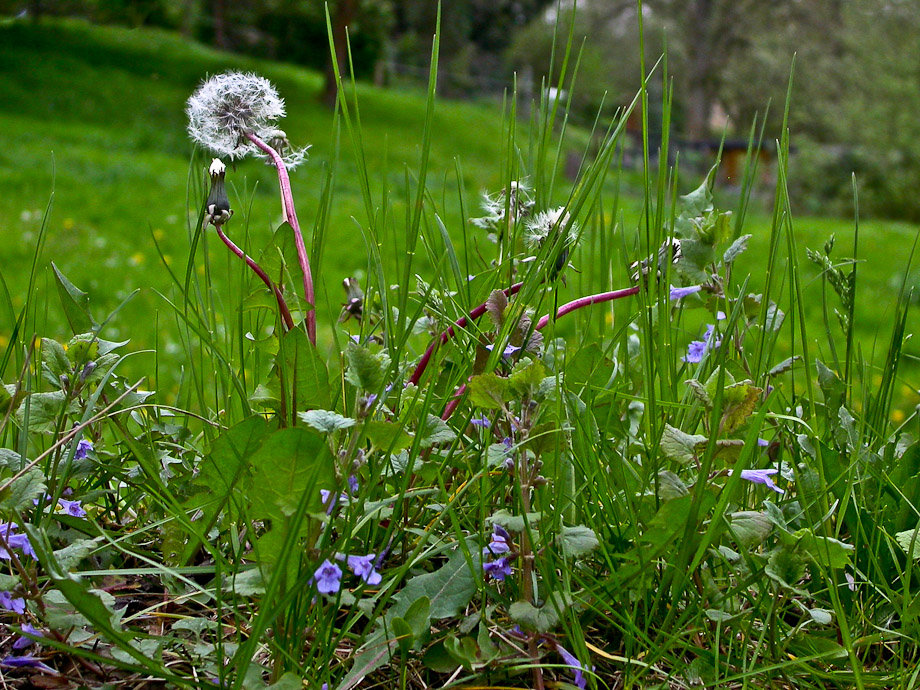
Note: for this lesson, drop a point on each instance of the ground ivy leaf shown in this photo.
(488, 391)
(326, 421)
(540, 619)
(23, 490)
(248, 583)
(679, 446)
(496, 305)
(44, 410)
(71, 555)
(388, 436)
(750, 527)
(527, 376)
(670, 486)
(738, 403)
(435, 430)
(829, 552)
(577, 541)
(366, 370)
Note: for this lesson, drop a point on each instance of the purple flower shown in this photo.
(328, 577)
(698, 348)
(353, 484)
(15, 541)
(363, 567)
(481, 421)
(11, 603)
(500, 543)
(761, 477)
(762, 442)
(26, 662)
(330, 502)
(509, 350)
(720, 316)
(572, 662)
(83, 447)
(23, 641)
(500, 568)
(681, 292)
(72, 508)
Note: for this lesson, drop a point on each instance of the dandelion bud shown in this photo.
(217, 207)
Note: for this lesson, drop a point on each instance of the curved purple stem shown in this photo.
(290, 214)
(566, 308)
(282, 305)
(450, 332)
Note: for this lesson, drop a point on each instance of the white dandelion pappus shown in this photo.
(227, 106)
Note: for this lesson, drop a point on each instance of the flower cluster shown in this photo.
(698, 348)
(328, 576)
(14, 540)
(228, 106)
(499, 545)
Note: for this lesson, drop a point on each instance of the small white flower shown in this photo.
(227, 105)
(217, 167)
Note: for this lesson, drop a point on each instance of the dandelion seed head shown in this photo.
(227, 106)
(547, 223)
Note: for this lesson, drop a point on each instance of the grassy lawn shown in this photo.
(96, 114)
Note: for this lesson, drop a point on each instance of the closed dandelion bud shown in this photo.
(217, 207)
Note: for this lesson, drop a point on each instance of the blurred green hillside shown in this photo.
(96, 115)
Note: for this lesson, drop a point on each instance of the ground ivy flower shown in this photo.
(72, 508)
(499, 569)
(328, 577)
(22, 642)
(698, 348)
(572, 661)
(363, 567)
(26, 662)
(481, 421)
(761, 477)
(83, 447)
(14, 540)
(11, 603)
(227, 106)
(681, 292)
(500, 542)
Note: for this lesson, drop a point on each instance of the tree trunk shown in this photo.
(344, 12)
(219, 18)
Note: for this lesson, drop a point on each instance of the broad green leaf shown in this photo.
(388, 436)
(310, 377)
(54, 360)
(679, 446)
(526, 377)
(23, 490)
(249, 583)
(540, 619)
(366, 370)
(786, 567)
(149, 647)
(464, 651)
(44, 410)
(289, 681)
(829, 552)
(577, 541)
(750, 527)
(670, 486)
(739, 401)
(326, 421)
(488, 391)
(513, 523)
(70, 556)
(435, 430)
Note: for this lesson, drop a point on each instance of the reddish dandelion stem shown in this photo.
(567, 308)
(282, 305)
(450, 332)
(290, 214)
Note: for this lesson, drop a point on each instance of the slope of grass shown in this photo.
(97, 115)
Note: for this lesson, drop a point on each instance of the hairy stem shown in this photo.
(282, 305)
(290, 214)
